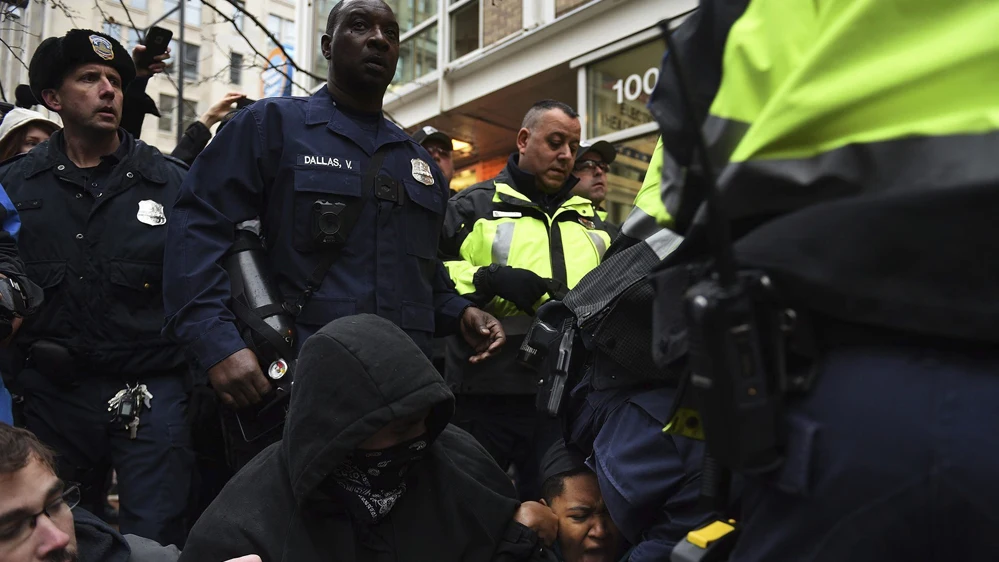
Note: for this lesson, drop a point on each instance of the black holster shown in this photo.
(53, 361)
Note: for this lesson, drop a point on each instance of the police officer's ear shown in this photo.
(51, 98)
(326, 44)
(522, 137)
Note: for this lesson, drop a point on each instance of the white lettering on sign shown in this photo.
(632, 87)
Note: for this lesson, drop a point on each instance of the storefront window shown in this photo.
(410, 13)
(627, 173)
(619, 87)
(417, 57)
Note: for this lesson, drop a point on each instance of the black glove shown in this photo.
(520, 286)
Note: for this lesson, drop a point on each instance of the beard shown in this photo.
(67, 554)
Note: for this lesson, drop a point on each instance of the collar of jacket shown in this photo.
(522, 191)
(322, 110)
(133, 155)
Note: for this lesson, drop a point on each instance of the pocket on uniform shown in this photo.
(313, 186)
(136, 299)
(424, 219)
(417, 316)
(49, 275)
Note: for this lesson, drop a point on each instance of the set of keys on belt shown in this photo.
(127, 404)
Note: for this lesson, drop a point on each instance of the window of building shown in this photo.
(140, 4)
(320, 12)
(627, 173)
(112, 29)
(465, 36)
(133, 38)
(618, 88)
(192, 11)
(237, 13)
(411, 13)
(235, 68)
(168, 113)
(192, 56)
(417, 56)
(167, 109)
(282, 29)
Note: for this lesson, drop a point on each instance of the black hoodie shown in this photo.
(355, 376)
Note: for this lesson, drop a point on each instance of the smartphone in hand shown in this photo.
(157, 41)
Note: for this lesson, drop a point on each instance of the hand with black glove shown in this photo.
(520, 286)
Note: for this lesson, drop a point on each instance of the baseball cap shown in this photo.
(603, 148)
(429, 133)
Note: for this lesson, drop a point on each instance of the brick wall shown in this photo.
(501, 18)
(563, 6)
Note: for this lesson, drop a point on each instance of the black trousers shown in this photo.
(510, 428)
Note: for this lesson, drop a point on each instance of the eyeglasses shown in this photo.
(591, 165)
(438, 151)
(13, 533)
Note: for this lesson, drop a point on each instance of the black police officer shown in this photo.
(94, 205)
(281, 159)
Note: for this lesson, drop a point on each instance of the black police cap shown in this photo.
(57, 56)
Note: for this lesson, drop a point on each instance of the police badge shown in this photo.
(151, 213)
(102, 47)
(421, 172)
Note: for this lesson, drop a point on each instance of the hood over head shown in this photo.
(354, 376)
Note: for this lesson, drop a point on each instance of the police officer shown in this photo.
(292, 162)
(861, 186)
(511, 242)
(441, 147)
(592, 166)
(94, 205)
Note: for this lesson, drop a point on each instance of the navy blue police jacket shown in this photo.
(97, 252)
(275, 160)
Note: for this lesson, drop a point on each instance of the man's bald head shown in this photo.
(334, 18)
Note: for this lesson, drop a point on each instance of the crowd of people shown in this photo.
(294, 341)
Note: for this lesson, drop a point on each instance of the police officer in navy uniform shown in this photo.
(282, 160)
(94, 204)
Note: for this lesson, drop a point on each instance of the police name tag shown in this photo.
(421, 172)
(327, 161)
(151, 213)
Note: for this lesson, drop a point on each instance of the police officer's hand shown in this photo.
(540, 518)
(15, 325)
(522, 287)
(483, 332)
(155, 67)
(238, 379)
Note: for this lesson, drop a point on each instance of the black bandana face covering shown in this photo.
(377, 478)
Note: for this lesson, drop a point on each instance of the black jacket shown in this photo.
(354, 376)
(96, 541)
(97, 253)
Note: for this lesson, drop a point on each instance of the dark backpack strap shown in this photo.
(349, 217)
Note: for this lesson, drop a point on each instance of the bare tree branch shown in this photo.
(270, 36)
(11, 49)
(254, 49)
(128, 14)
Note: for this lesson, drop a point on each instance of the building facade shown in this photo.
(472, 68)
(224, 49)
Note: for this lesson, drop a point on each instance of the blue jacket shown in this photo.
(650, 480)
(93, 241)
(274, 160)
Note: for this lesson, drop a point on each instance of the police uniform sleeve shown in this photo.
(10, 261)
(217, 194)
(650, 481)
(448, 304)
(454, 240)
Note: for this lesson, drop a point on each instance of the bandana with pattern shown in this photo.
(375, 480)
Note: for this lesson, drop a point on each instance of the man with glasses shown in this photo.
(37, 519)
(592, 164)
(439, 145)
